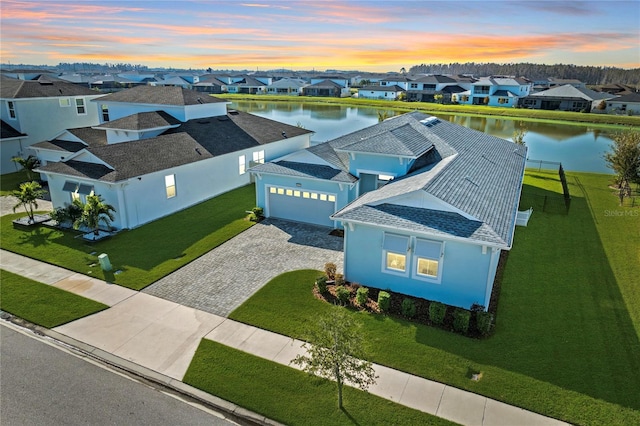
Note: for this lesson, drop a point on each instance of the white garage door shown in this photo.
(300, 205)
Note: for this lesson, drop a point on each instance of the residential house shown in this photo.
(418, 198)
(565, 98)
(327, 88)
(381, 92)
(396, 80)
(626, 104)
(247, 85)
(40, 109)
(209, 83)
(287, 86)
(496, 91)
(424, 89)
(163, 149)
(340, 80)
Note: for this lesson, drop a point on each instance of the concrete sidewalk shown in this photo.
(154, 335)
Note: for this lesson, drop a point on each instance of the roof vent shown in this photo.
(284, 134)
(430, 121)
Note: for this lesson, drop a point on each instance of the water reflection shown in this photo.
(577, 147)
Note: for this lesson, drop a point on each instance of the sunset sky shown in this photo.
(374, 35)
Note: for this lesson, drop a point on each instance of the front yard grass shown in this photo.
(42, 304)
(566, 340)
(144, 254)
(12, 181)
(288, 395)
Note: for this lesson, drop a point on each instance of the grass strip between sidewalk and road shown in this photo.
(290, 396)
(43, 304)
(144, 254)
(566, 342)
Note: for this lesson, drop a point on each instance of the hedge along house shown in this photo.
(427, 206)
(163, 150)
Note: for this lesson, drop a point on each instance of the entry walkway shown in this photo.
(158, 338)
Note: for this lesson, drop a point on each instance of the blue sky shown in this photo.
(369, 35)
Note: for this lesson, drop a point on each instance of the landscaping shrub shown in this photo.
(343, 294)
(408, 308)
(461, 319)
(339, 279)
(384, 301)
(437, 311)
(362, 295)
(483, 322)
(321, 283)
(330, 269)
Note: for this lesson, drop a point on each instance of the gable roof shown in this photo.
(141, 121)
(8, 132)
(326, 84)
(402, 141)
(435, 79)
(11, 88)
(160, 95)
(569, 91)
(392, 88)
(631, 97)
(305, 170)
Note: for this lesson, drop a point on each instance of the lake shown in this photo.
(577, 147)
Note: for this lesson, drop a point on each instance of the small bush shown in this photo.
(437, 311)
(408, 308)
(362, 295)
(343, 294)
(461, 319)
(483, 322)
(339, 279)
(258, 211)
(330, 269)
(384, 301)
(321, 284)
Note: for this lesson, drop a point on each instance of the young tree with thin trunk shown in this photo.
(28, 164)
(95, 211)
(27, 196)
(624, 160)
(335, 350)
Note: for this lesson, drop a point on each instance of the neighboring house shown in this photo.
(397, 80)
(163, 150)
(342, 81)
(247, 85)
(326, 88)
(41, 109)
(496, 91)
(627, 104)
(287, 86)
(565, 98)
(210, 84)
(12, 146)
(427, 206)
(424, 89)
(380, 92)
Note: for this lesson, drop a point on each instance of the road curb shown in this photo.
(234, 412)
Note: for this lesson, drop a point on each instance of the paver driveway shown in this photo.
(222, 279)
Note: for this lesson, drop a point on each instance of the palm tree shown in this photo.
(27, 196)
(29, 164)
(94, 211)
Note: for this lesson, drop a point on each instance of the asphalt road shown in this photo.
(44, 384)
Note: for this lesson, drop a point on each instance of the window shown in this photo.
(272, 190)
(296, 193)
(481, 90)
(80, 106)
(65, 102)
(383, 180)
(242, 164)
(170, 184)
(331, 198)
(413, 85)
(258, 157)
(12, 109)
(105, 113)
(395, 249)
(428, 255)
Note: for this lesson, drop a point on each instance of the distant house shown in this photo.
(209, 83)
(287, 86)
(427, 206)
(496, 91)
(247, 85)
(565, 98)
(327, 88)
(163, 149)
(425, 88)
(380, 92)
(396, 80)
(38, 110)
(627, 104)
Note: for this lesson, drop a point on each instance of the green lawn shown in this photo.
(566, 343)
(290, 396)
(42, 304)
(144, 254)
(12, 181)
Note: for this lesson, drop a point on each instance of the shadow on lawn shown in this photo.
(561, 317)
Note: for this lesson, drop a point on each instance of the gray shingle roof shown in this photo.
(571, 92)
(141, 121)
(11, 88)
(59, 145)
(402, 141)
(160, 95)
(6, 131)
(481, 175)
(393, 88)
(90, 136)
(305, 170)
(435, 79)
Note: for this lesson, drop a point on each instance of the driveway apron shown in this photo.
(222, 279)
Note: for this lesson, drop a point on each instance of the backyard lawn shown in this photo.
(566, 342)
(42, 304)
(145, 254)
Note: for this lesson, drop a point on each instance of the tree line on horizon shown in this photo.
(587, 74)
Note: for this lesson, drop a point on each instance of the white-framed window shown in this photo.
(242, 164)
(170, 185)
(105, 112)
(428, 260)
(394, 253)
(11, 106)
(64, 102)
(258, 157)
(80, 108)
